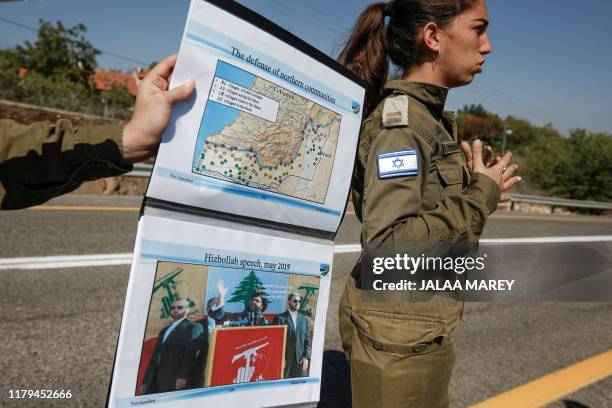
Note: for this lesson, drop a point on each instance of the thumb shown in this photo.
(182, 92)
(477, 155)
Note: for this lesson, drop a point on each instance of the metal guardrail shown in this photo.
(141, 170)
(144, 170)
(560, 202)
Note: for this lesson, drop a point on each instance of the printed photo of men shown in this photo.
(297, 346)
(179, 354)
(252, 316)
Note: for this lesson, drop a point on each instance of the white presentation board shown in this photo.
(178, 259)
(272, 129)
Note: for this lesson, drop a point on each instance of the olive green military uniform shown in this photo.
(400, 350)
(42, 160)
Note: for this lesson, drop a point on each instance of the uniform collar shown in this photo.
(431, 95)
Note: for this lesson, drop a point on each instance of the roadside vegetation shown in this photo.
(578, 166)
(56, 71)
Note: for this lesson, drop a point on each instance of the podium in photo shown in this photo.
(246, 354)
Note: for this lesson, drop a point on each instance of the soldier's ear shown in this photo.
(431, 36)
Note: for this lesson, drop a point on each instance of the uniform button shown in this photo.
(377, 346)
(418, 348)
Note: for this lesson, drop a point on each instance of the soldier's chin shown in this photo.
(467, 79)
(462, 81)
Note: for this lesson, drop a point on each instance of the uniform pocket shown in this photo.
(399, 334)
(450, 172)
(399, 360)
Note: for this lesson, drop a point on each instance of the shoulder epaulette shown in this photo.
(395, 111)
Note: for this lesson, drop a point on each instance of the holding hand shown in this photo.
(488, 157)
(501, 172)
(180, 383)
(152, 110)
(304, 362)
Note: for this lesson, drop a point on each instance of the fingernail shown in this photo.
(477, 142)
(520, 178)
(189, 83)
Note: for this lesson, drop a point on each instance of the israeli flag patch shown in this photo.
(397, 164)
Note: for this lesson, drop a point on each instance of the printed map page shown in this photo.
(260, 135)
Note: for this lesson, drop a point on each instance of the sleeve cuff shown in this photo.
(110, 137)
(103, 147)
(484, 190)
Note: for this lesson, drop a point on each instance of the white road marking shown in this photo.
(71, 261)
(548, 240)
(347, 249)
(79, 261)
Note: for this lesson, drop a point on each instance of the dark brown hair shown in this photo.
(373, 44)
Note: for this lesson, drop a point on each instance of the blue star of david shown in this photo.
(398, 163)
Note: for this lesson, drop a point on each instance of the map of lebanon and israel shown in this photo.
(259, 134)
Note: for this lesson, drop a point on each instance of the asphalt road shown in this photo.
(60, 326)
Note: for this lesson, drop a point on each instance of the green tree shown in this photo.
(247, 287)
(475, 122)
(9, 61)
(118, 100)
(475, 110)
(9, 68)
(60, 51)
(523, 133)
(577, 167)
(57, 92)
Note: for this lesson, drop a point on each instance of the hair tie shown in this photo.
(387, 9)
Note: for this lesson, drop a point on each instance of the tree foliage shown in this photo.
(475, 122)
(9, 73)
(60, 51)
(577, 167)
(56, 69)
(56, 91)
(117, 98)
(247, 287)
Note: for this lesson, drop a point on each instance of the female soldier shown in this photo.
(411, 188)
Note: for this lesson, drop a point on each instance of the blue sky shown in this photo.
(551, 59)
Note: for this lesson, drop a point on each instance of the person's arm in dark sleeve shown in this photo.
(41, 160)
(230, 317)
(392, 206)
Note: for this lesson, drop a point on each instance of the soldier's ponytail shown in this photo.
(374, 43)
(365, 53)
